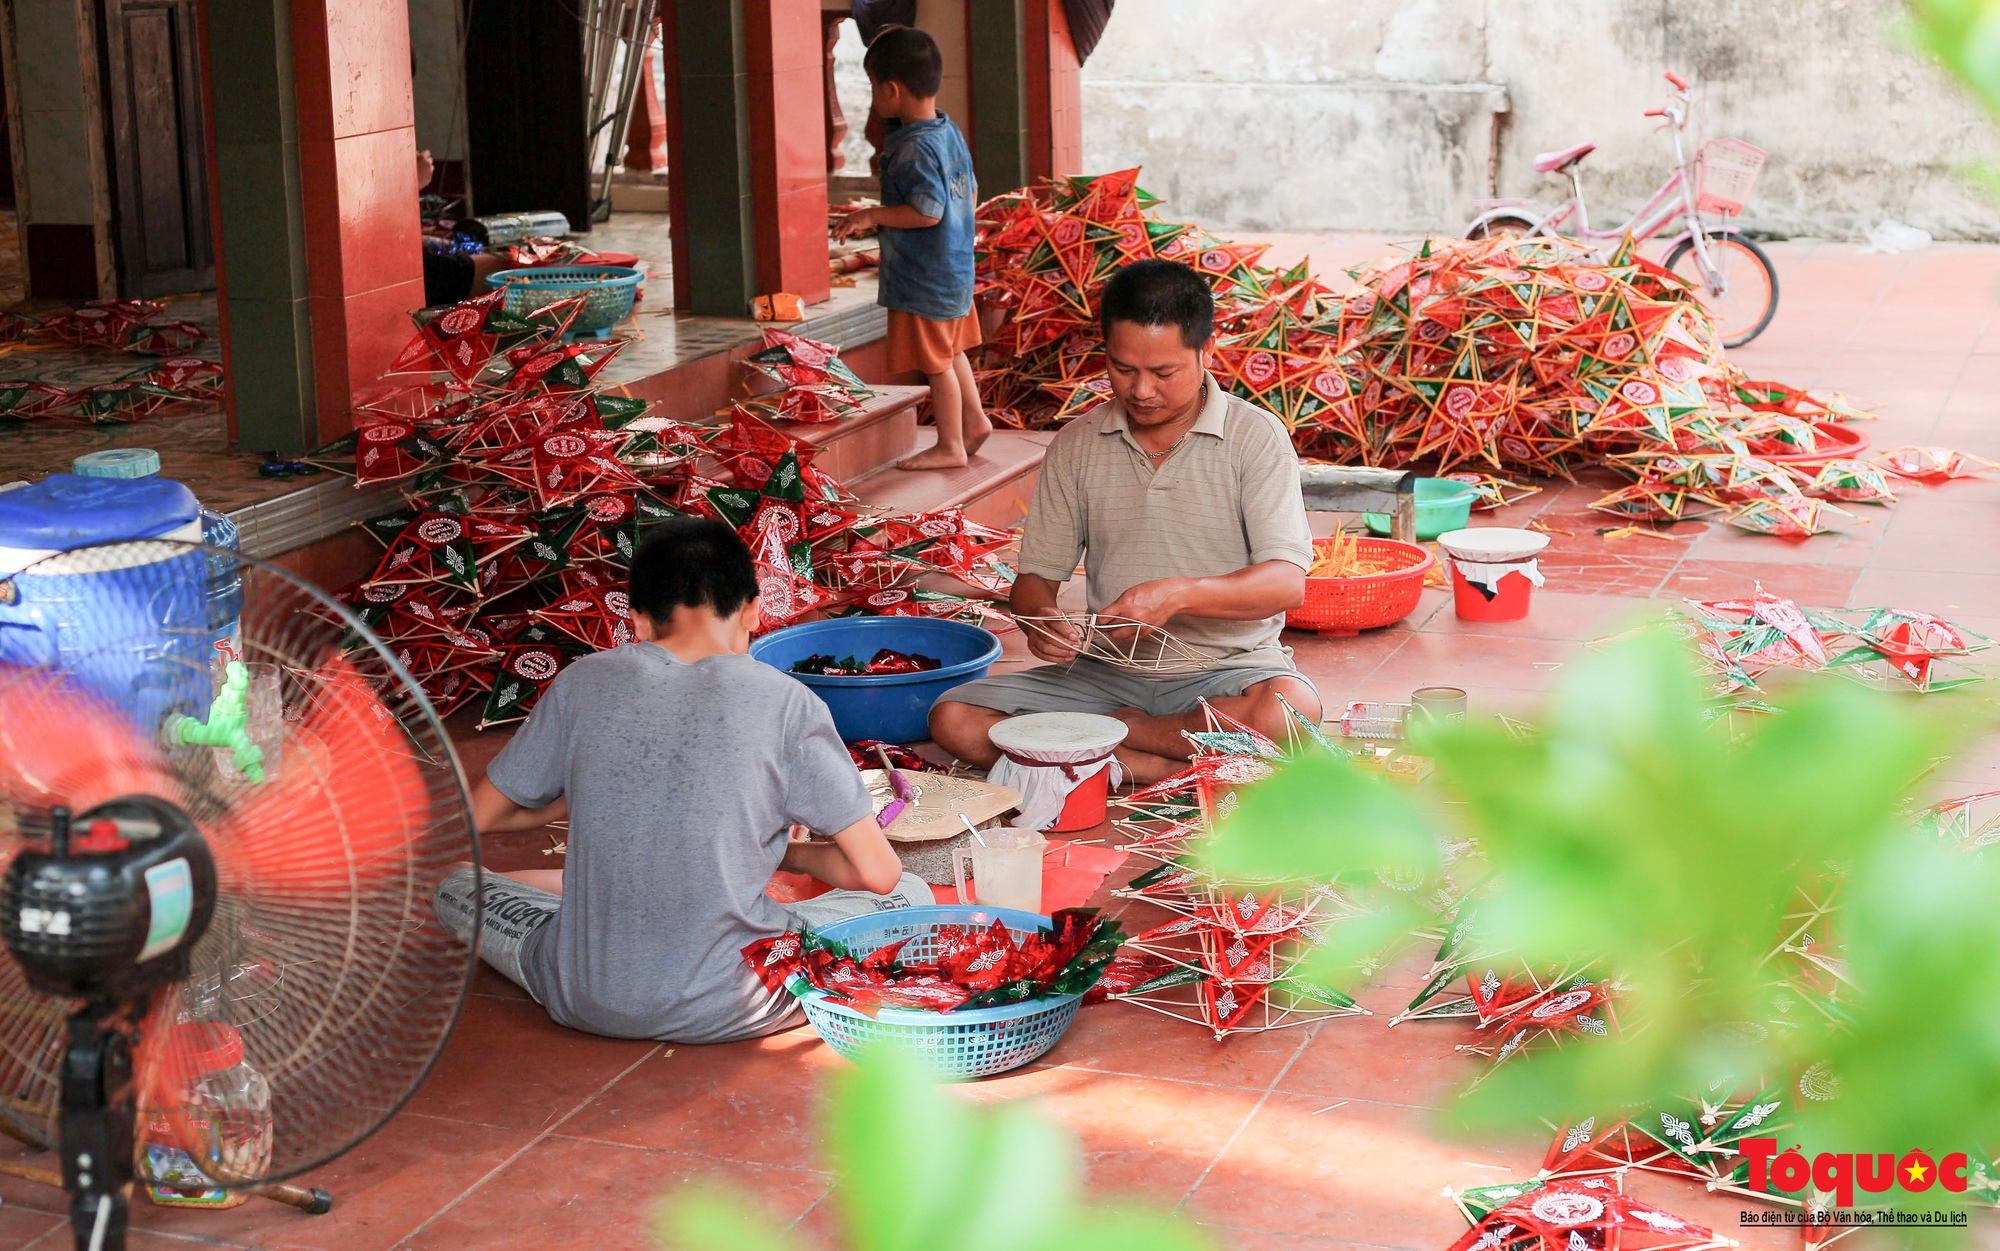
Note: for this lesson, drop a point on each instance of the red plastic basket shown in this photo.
(1369, 601)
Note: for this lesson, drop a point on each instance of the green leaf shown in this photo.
(920, 1169)
(1920, 1065)
(701, 1219)
(1319, 817)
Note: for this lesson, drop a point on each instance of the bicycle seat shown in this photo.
(1550, 162)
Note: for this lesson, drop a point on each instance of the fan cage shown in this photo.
(323, 951)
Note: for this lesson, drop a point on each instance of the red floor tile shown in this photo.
(1337, 663)
(382, 1190)
(1952, 595)
(1473, 660)
(1820, 586)
(1851, 547)
(1972, 547)
(1364, 1172)
(19, 1226)
(753, 1102)
(1145, 1141)
(1556, 616)
(570, 1067)
(1126, 1038)
(1416, 1064)
(1230, 1239)
(566, 1193)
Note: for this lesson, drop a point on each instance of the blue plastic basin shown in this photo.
(894, 708)
(1442, 506)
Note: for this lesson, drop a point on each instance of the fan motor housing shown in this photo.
(115, 911)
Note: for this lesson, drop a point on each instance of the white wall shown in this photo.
(1383, 114)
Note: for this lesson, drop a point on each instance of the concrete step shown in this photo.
(993, 489)
(884, 431)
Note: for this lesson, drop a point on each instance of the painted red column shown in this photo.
(784, 55)
(1055, 93)
(358, 184)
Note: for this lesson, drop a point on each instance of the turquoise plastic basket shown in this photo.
(607, 291)
(955, 1046)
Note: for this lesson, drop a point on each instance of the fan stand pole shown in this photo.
(98, 1123)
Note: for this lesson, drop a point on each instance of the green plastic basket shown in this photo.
(607, 290)
(955, 1046)
(1442, 505)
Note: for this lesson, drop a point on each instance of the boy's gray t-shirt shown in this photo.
(683, 781)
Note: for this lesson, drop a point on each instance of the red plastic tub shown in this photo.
(1509, 602)
(1086, 805)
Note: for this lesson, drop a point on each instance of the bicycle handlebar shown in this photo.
(1679, 82)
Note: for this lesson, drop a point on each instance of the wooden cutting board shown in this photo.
(941, 801)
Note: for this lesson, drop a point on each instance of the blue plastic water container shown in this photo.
(895, 707)
(225, 575)
(129, 622)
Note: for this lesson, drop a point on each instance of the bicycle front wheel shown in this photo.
(1744, 297)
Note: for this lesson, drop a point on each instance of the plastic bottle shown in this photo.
(225, 577)
(207, 1114)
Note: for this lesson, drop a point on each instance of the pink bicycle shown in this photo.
(1733, 276)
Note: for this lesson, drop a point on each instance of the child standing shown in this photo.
(925, 225)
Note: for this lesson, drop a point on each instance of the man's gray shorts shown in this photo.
(1091, 686)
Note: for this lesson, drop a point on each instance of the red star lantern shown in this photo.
(188, 376)
(1584, 1214)
(599, 617)
(440, 547)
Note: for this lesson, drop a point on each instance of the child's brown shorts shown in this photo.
(928, 346)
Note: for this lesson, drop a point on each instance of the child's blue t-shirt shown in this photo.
(928, 271)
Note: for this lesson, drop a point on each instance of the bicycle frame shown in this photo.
(1673, 202)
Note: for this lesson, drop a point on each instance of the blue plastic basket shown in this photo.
(892, 707)
(955, 1046)
(607, 291)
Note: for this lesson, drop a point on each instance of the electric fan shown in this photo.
(222, 818)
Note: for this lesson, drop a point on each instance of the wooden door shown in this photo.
(152, 73)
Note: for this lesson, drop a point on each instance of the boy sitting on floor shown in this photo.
(681, 764)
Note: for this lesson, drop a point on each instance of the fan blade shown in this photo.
(62, 745)
(351, 800)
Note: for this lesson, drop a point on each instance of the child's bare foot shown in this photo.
(933, 458)
(976, 435)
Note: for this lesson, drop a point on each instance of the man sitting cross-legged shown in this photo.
(1183, 502)
(682, 765)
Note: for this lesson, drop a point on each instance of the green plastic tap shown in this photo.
(228, 724)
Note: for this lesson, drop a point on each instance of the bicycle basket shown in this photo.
(1725, 170)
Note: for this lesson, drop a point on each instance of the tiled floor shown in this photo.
(191, 439)
(530, 1136)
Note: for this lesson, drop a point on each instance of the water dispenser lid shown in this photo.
(117, 462)
(64, 510)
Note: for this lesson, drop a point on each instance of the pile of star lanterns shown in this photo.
(1739, 641)
(1529, 356)
(132, 326)
(528, 487)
